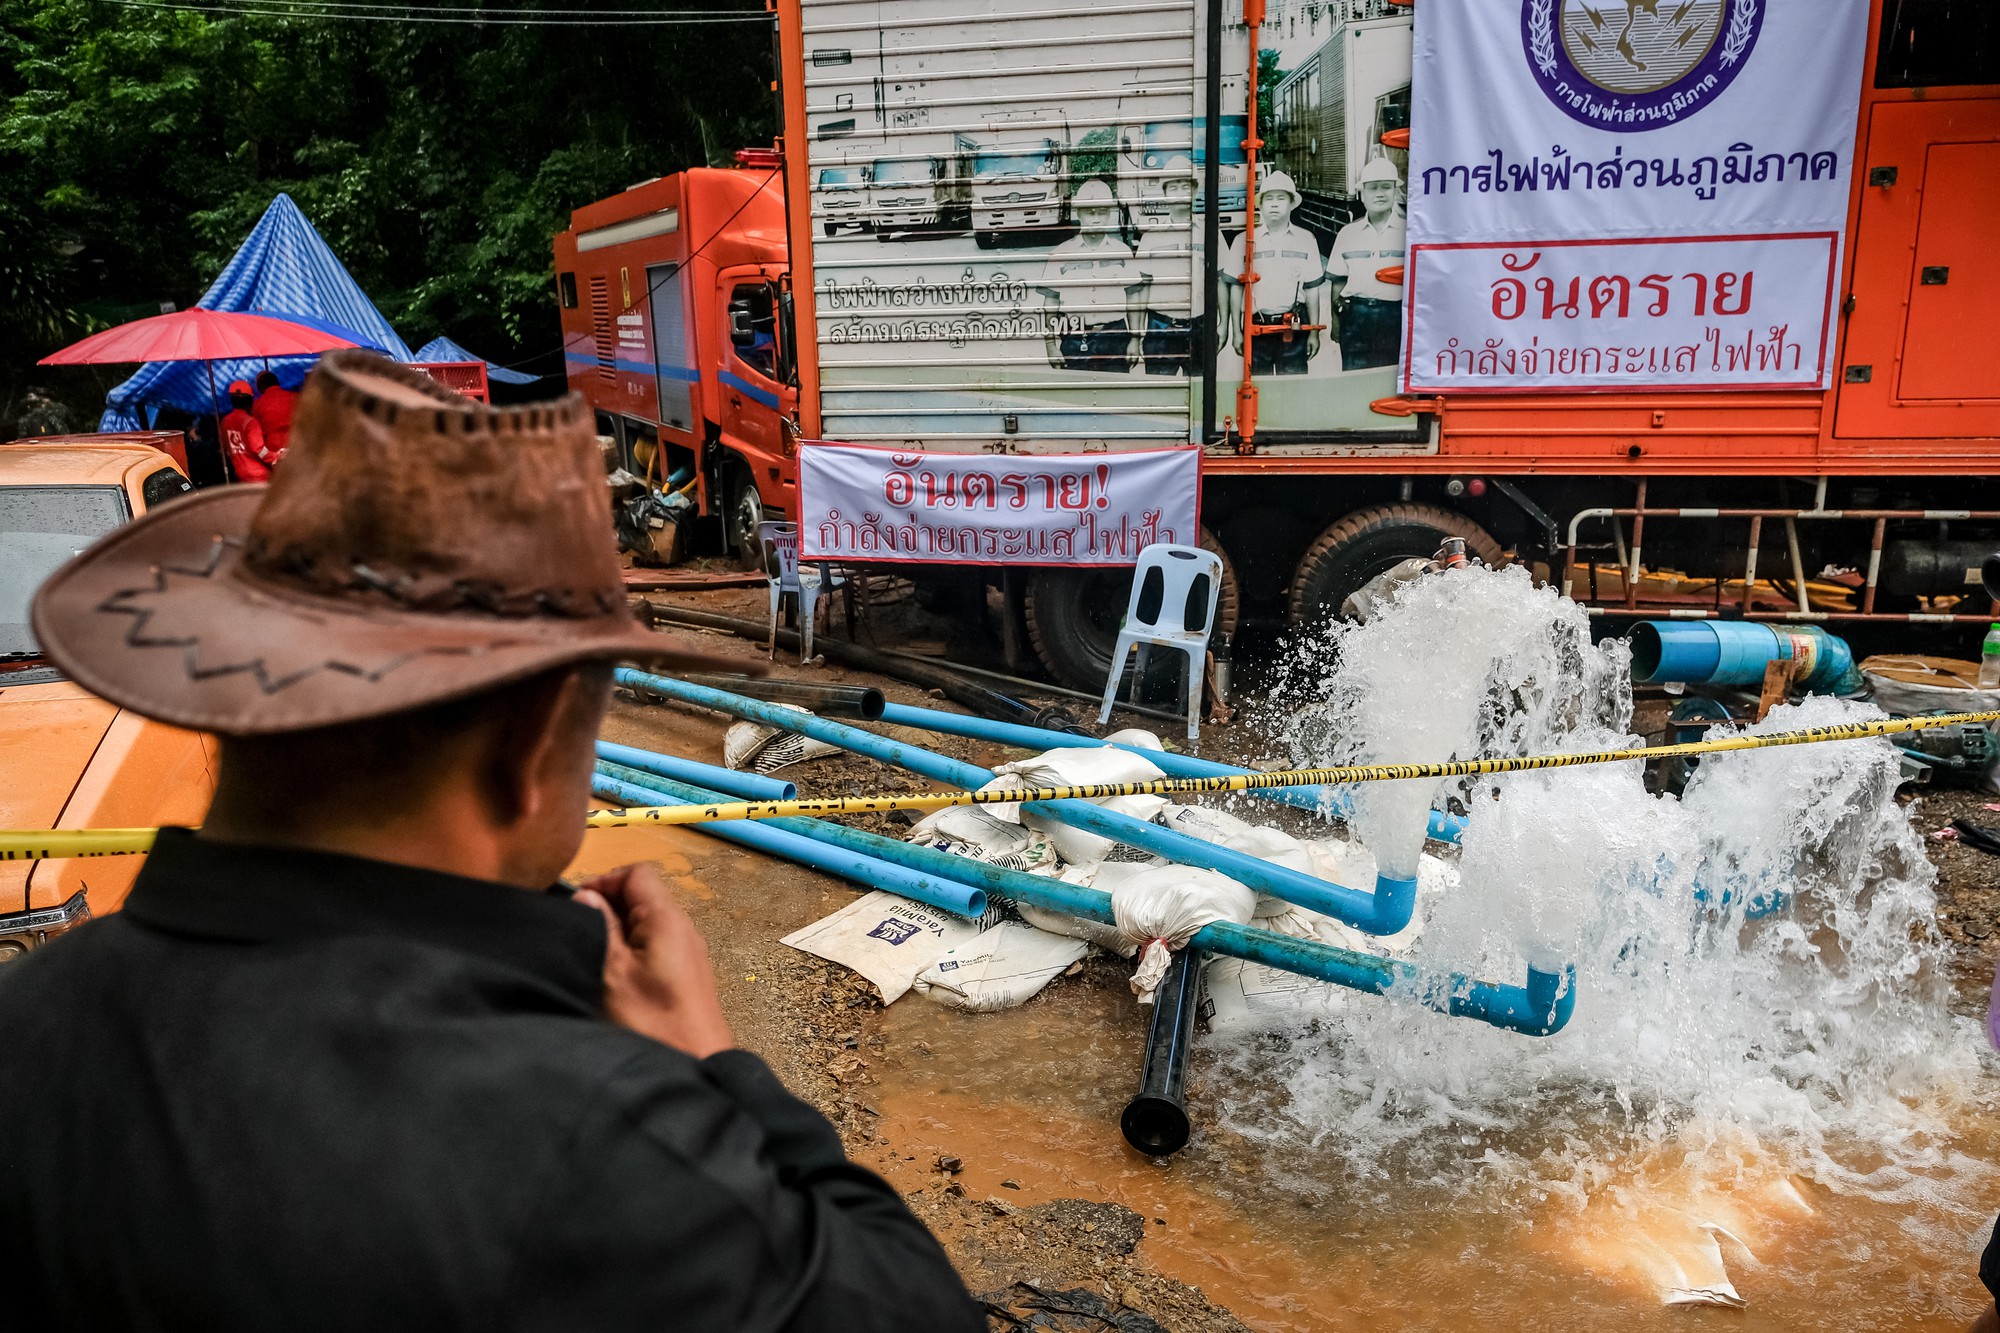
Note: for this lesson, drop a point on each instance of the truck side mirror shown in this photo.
(741, 332)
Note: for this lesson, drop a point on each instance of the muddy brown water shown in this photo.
(1028, 1101)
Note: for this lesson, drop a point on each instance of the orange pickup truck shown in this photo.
(67, 758)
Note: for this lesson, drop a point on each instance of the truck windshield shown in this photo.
(839, 176)
(989, 166)
(40, 528)
(1235, 129)
(897, 172)
(1166, 139)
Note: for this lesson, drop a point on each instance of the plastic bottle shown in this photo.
(1989, 659)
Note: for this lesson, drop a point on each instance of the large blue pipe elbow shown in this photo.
(1735, 652)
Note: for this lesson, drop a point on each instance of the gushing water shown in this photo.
(1761, 985)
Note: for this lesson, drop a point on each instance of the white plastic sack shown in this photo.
(1138, 736)
(1078, 768)
(1161, 907)
(999, 969)
(762, 749)
(971, 831)
(886, 938)
(1105, 875)
(1238, 835)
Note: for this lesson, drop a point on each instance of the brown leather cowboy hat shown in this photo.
(414, 546)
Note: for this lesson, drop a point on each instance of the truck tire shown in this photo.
(986, 240)
(1369, 541)
(1073, 617)
(742, 511)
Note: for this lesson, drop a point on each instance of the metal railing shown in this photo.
(1743, 607)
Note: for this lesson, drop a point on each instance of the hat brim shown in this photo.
(159, 618)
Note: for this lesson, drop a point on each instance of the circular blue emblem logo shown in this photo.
(1637, 64)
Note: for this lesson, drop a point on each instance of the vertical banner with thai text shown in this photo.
(858, 502)
(1610, 194)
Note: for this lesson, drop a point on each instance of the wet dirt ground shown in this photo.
(1001, 1129)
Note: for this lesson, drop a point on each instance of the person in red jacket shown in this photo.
(250, 458)
(273, 411)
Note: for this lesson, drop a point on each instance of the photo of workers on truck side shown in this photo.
(1288, 297)
(1164, 256)
(1370, 310)
(1091, 281)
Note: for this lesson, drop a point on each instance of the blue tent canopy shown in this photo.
(285, 269)
(444, 349)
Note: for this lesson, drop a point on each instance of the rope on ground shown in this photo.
(43, 844)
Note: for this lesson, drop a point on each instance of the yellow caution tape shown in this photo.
(33, 844)
(44, 844)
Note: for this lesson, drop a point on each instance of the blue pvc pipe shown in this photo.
(946, 894)
(1443, 826)
(1540, 1007)
(733, 782)
(1385, 911)
(1734, 652)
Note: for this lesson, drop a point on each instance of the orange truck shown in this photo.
(675, 326)
(1866, 502)
(68, 759)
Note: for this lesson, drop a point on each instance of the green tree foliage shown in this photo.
(139, 146)
(1268, 75)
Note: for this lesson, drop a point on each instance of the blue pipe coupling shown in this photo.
(1735, 652)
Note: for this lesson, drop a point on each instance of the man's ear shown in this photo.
(528, 740)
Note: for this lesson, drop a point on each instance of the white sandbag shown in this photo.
(1138, 736)
(1105, 875)
(969, 830)
(1161, 907)
(1106, 937)
(1239, 835)
(1000, 968)
(1078, 768)
(761, 749)
(886, 938)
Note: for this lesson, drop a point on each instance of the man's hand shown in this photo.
(657, 977)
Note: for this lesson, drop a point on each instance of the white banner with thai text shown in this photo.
(1642, 193)
(864, 503)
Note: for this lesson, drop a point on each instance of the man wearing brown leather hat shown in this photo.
(346, 1060)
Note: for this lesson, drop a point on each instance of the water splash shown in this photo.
(1715, 1042)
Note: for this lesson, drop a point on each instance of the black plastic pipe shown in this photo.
(862, 701)
(1156, 1121)
(964, 693)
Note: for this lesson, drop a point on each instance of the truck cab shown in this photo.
(675, 315)
(920, 192)
(1017, 185)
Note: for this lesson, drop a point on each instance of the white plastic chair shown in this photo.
(1174, 592)
(780, 543)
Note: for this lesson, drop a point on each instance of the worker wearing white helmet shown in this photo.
(1091, 286)
(1290, 288)
(1371, 310)
(1170, 318)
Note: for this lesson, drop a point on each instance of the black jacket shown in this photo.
(298, 1091)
